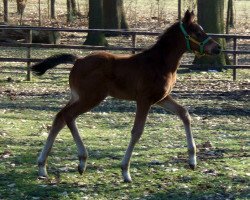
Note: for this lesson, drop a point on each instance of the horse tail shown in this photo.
(50, 62)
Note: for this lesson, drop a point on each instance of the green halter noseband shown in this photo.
(188, 38)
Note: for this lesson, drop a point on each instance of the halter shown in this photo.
(188, 38)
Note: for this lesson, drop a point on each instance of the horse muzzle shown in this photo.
(216, 50)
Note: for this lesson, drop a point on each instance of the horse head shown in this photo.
(195, 37)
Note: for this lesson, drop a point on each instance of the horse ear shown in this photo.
(188, 17)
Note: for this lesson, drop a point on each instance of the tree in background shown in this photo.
(230, 15)
(21, 4)
(6, 12)
(52, 9)
(212, 20)
(113, 13)
(108, 14)
(96, 22)
(69, 11)
(74, 7)
(183, 5)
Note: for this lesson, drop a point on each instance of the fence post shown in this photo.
(29, 41)
(235, 59)
(133, 42)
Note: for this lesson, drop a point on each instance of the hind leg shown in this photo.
(58, 124)
(70, 116)
(170, 104)
(82, 105)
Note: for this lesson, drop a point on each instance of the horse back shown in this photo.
(124, 77)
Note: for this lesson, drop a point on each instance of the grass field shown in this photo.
(220, 119)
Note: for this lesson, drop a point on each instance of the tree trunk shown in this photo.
(21, 4)
(39, 12)
(74, 7)
(211, 17)
(96, 22)
(230, 16)
(52, 9)
(231, 8)
(6, 12)
(179, 9)
(124, 24)
(114, 17)
(69, 11)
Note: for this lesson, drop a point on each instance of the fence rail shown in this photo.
(132, 49)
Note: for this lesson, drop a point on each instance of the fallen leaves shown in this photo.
(211, 172)
(12, 185)
(2, 134)
(207, 151)
(205, 145)
(6, 154)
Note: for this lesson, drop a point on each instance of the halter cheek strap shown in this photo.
(202, 44)
(188, 38)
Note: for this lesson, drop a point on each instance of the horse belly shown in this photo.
(119, 92)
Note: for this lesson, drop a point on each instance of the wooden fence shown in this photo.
(132, 49)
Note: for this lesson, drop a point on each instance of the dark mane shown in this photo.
(165, 43)
(167, 34)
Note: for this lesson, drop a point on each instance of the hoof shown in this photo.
(81, 168)
(127, 180)
(42, 172)
(42, 177)
(192, 166)
(126, 177)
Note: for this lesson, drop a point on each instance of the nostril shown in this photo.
(217, 49)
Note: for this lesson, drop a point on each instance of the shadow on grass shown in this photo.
(26, 186)
(158, 184)
(50, 102)
(238, 95)
(199, 193)
(207, 187)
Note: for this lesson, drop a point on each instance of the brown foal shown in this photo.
(146, 78)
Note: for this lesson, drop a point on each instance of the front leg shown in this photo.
(140, 119)
(170, 104)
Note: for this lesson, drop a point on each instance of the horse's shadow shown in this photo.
(50, 102)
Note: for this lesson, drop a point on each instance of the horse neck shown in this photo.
(167, 52)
